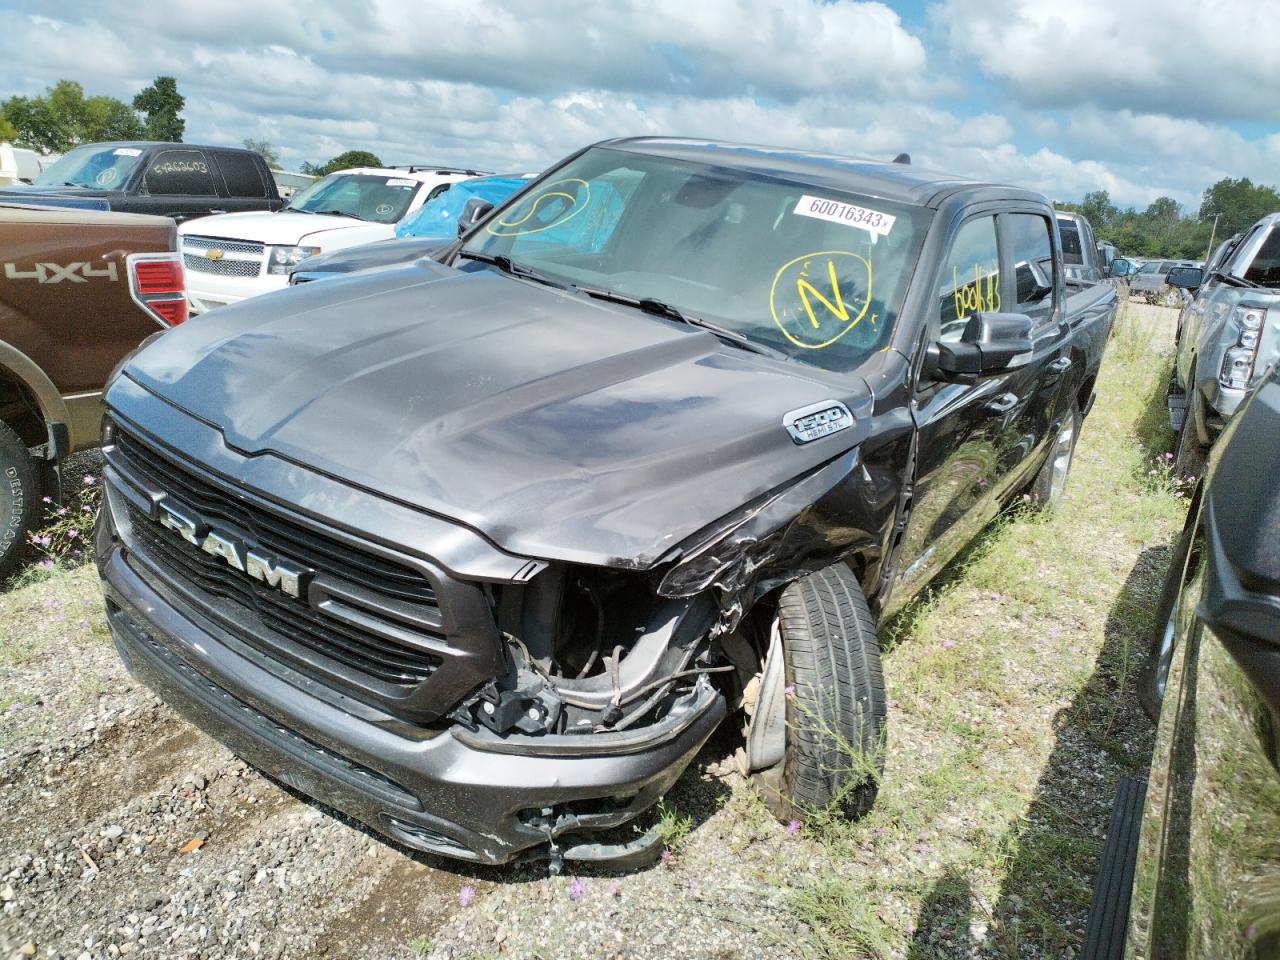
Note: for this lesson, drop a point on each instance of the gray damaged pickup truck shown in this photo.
(482, 551)
(1228, 336)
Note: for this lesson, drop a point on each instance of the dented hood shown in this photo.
(558, 426)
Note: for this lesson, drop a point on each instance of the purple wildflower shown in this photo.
(47, 563)
(948, 644)
(89, 480)
(693, 886)
(46, 499)
(666, 855)
(86, 509)
(62, 511)
(72, 534)
(466, 895)
(793, 827)
(614, 889)
(789, 691)
(577, 889)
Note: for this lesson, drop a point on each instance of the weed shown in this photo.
(672, 826)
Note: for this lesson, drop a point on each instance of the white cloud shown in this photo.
(514, 86)
(1187, 58)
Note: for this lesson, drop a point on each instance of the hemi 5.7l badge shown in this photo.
(817, 420)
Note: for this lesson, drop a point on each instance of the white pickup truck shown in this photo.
(238, 255)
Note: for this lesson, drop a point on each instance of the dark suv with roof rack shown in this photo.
(481, 551)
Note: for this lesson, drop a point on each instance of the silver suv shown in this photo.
(1150, 281)
(1228, 336)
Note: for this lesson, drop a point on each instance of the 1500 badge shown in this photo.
(56, 273)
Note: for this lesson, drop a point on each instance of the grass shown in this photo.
(1013, 710)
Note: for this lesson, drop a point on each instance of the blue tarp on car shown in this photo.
(439, 217)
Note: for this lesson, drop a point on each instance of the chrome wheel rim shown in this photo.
(1164, 656)
(1063, 449)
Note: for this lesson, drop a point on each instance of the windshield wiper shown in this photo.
(340, 213)
(512, 268)
(663, 309)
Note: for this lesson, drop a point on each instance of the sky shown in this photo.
(1142, 98)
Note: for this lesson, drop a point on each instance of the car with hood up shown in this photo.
(426, 233)
(1228, 337)
(482, 550)
(240, 255)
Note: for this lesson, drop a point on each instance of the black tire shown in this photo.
(19, 499)
(1156, 670)
(836, 712)
(1190, 457)
(1041, 489)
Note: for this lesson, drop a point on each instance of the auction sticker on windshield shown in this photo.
(850, 215)
(126, 152)
(400, 182)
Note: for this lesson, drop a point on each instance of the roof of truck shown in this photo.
(892, 181)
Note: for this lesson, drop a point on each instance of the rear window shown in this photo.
(180, 173)
(241, 174)
(1071, 250)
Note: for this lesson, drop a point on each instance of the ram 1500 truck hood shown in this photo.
(288, 228)
(558, 426)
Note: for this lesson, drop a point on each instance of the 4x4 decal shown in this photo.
(56, 273)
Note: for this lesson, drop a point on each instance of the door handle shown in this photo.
(1003, 403)
(217, 211)
(1060, 365)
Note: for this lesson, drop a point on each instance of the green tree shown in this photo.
(64, 118)
(161, 102)
(1099, 210)
(344, 161)
(107, 118)
(1237, 204)
(266, 150)
(8, 131)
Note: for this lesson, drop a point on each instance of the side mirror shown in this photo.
(991, 343)
(473, 212)
(1120, 267)
(1185, 278)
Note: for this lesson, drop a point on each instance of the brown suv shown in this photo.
(79, 290)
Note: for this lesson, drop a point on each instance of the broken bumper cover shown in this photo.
(453, 792)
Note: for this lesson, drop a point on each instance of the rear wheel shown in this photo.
(1051, 482)
(834, 700)
(19, 499)
(1191, 456)
(1155, 674)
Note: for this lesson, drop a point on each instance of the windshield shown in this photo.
(809, 271)
(363, 196)
(103, 168)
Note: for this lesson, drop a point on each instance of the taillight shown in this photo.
(156, 284)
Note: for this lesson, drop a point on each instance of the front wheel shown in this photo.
(834, 698)
(19, 499)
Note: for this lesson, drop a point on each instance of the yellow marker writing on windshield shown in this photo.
(804, 288)
(829, 312)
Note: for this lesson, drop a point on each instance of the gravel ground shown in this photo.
(124, 831)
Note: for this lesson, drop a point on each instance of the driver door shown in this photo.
(977, 443)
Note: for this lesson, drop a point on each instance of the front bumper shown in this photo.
(206, 291)
(448, 791)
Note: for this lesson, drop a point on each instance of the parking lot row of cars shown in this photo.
(480, 545)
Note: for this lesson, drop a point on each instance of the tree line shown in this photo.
(63, 117)
(1163, 230)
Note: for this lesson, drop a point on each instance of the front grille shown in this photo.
(270, 619)
(220, 243)
(223, 268)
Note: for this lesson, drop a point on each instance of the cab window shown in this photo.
(970, 277)
(1031, 250)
